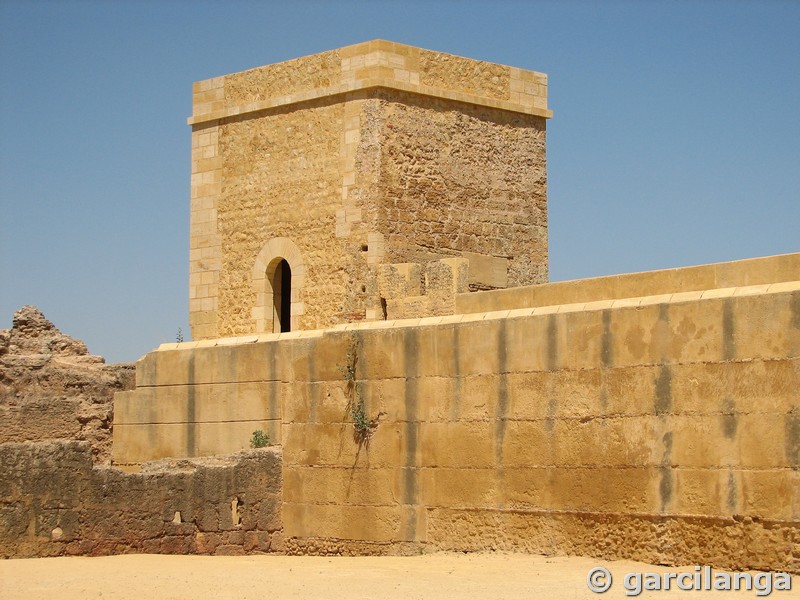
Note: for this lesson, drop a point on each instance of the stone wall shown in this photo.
(54, 501)
(664, 432)
(656, 428)
(52, 388)
(690, 282)
(402, 295)
(281, 180)
(463, 179)
(234, 391)
(59, 497)
(348, 159)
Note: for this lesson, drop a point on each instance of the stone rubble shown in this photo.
(51, 387)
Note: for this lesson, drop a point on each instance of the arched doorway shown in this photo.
(282, 297)
(279, 276)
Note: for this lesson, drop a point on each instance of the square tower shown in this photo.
(309, 174)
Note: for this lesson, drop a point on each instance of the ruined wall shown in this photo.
(659, 429)
(56, 498)
(52, 388)
(402, 296)
(54, 502)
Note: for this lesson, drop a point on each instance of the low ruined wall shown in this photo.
(53, 502)
(400, 289)
(664, 430)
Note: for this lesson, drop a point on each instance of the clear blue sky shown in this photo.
(675, 140)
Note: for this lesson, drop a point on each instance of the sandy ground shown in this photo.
(445, 576)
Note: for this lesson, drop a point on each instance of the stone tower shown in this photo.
(310, 174)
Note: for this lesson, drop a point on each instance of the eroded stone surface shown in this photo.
(54, 501)
(52, 388)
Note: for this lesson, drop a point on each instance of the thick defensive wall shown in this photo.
(662, 427)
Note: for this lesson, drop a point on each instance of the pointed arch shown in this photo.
(279, 265)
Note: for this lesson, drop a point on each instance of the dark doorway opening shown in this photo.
(282, 296)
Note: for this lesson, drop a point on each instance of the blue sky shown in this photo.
(675, 140)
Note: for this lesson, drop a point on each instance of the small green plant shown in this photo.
(179, 336)
(363, 426)
(361, 422)
(259, 439)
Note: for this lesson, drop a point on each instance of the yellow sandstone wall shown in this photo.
(664, 429)
(456, 180)
(753, 271)
(348, 159)
(665, 432)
